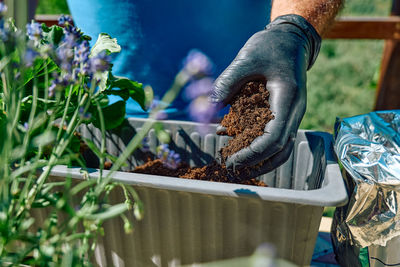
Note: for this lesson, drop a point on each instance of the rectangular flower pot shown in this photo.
(190, 221)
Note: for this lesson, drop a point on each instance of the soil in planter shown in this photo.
(247, 117)
(211, 172)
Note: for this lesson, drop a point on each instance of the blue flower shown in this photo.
(197, 64)
(34, 31)
(64, 20)
(170, 158)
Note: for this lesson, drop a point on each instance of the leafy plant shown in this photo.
(51, 84)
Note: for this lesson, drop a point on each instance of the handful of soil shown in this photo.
(246, 120)
(247, 117)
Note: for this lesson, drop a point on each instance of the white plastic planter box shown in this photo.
(188, 221)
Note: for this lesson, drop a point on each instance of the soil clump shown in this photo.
(247, 117)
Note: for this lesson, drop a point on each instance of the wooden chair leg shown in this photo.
(388, 92)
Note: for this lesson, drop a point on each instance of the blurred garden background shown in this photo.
(342, 82)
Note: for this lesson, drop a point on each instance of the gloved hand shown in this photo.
(281, 54)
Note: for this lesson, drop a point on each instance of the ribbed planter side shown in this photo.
(181, 227)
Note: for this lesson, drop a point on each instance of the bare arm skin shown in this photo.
(320, 13)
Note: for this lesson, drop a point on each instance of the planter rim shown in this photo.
(331, 193)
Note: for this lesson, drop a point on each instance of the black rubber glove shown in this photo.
(281, 54)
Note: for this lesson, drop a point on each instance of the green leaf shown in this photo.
(103, 80)
(114, 115)
(108, 213)
(27, 223)
(3, 127)
(44, 139)
(105, 43)
(127, 88)
(3, 62)
(67, 258)
(82, 185)
(149, 96)
(38, 70)
(52, 35)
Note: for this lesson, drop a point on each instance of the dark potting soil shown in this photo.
(211, 172)
(247, 117)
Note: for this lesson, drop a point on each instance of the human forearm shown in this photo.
(320, 13)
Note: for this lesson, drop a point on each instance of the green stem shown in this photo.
(103, 138)
(15, 182)
(64, 113)
(57, 153)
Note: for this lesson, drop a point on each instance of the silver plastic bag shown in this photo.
(368, 147)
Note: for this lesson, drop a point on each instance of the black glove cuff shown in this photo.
(307, 30)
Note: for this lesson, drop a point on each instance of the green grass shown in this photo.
(52, 7)
(342, 82)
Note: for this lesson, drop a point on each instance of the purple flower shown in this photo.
(81, 58)
(34, 31)
(26, 126)
(82, 53)
(73, 31)
(59, 83)
(198, 88)
(100, 62)
(145, 144)
(3, 9)
(197, 64)
(65, 55)
(69, 40)
(170, 158)
(157, 109)
(202, 110)
(64, 20)
(30, 56)
(161, 115)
